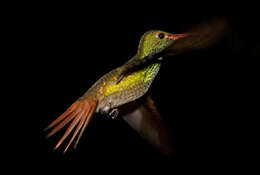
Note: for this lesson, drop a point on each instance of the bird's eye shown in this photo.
(161, 35)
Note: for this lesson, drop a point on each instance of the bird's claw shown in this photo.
(114, 113)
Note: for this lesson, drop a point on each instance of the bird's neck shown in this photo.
(141, 54)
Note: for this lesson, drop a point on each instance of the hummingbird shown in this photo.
(125, 89)
(107, 96)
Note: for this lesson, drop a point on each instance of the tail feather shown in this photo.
(85, 125)
(63, 123)
(63, 116)
(68, 131)
(80, 114)
(83, 118)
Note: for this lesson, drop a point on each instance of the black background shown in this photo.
(209, 98)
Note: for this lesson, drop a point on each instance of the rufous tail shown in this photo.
(78, 115)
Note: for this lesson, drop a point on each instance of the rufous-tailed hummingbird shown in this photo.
(121, 88)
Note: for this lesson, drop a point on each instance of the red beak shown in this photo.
(176, 36)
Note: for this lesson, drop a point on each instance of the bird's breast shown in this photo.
(130, 88)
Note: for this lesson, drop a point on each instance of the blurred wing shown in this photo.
(200, 36)
(146, 120)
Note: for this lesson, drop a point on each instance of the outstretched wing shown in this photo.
(200, 36)
(146, 120)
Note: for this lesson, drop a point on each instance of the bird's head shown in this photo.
(155, 41)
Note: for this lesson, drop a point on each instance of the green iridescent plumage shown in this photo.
(106, 95)
(113, 92)
(197, 37)
(151, 44)
(138, 82)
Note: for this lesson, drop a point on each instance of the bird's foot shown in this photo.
(114, 113)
